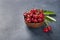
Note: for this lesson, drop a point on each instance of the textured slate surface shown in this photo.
(12, 26)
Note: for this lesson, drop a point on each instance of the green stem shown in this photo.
(46, 22)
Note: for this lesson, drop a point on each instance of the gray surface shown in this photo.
(12, 26)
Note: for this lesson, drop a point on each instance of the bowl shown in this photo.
(34, 25)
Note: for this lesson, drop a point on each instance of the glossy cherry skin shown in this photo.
(35, 21)
(33, 11)
(35, 16)
(49, 28)
(41, 15)
(28, 16)
(45, 30)
(31, 14)
(40, 20)
(25, 15)
(28, 20)
(32, 20)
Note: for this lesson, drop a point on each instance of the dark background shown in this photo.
(12, 26)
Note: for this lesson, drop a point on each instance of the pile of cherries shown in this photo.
(34, 16)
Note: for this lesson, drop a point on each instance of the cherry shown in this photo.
(45, 30)
(32, 19)
(49, 28)
(35, 16)
(25, 14)
(31, 14)
(40, 20)
(28, 16)
(35, 21)
(28, 20)
(33, 11)
(41, 15)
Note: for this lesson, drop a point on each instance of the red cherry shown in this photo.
(28, 16)
(45, 30)
(35, 21)
(40, 20)
(49, 28)
(28, 20)
(34, 11)
(32, 19)
(31, 14)
(25, 14)
(35, 16)
(41, 15)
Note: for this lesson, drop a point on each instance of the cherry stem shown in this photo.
(46, 22)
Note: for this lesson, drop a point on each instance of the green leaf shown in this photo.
(50, 19)
(49, 12)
